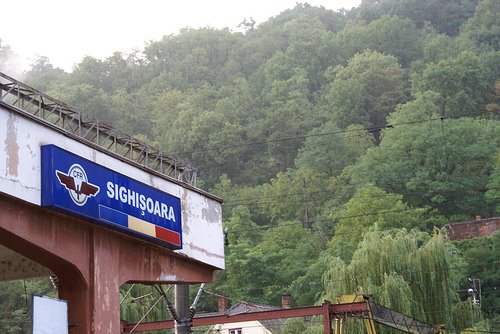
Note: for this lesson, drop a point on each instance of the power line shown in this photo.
(355, 216)
(249, 202)
(364, 129)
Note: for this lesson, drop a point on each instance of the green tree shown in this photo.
(442, 163)
(288, 250)
(92, 102)
(366, 91)
(445, 16)
(389, 35)
(246, 272)
(293, 195)
(395, 36)
(16, 302)
(329, 150)
(461, 83)
(195, 57)
(130, 112)
(307, 289)
(438, 47)
(373, 207)
(406, 271)
(483, 29)
(311, 48)
(42, 74)
(286, 111)
(165, 111)
(92, 72)
(331, 20)
(481, 255)
(125, 72)
(493, 186)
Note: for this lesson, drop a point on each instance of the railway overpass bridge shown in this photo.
(97, 208)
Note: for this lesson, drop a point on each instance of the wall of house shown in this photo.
(480, 227)
(248, 327)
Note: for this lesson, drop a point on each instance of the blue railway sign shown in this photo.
(79, 186)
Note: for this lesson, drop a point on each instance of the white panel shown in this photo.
(20, 142)
(50, 316)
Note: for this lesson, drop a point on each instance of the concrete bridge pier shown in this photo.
(91, 262)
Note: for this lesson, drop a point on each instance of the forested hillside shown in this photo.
(341, 143)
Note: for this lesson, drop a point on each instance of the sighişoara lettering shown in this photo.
(140, 201)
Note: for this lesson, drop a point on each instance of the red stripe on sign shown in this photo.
(167, 235)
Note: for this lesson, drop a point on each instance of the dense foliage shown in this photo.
(339, 141)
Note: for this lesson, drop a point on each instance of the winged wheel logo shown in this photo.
(77, 184)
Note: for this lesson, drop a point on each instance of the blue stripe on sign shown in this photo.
(113, 216)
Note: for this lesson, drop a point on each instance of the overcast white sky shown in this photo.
(67, 30)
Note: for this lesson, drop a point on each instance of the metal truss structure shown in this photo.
(49, 111)
(393, 319)
(334, 317)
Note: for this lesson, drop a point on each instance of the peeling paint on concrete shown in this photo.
(11, 147)
(20, 183)
(20, 178)
(185, 210)
(211, 213)
(168, 278)
(204, 251)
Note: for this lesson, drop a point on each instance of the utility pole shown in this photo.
(181, 313)
(307, 224)
(475, 291)
(181, 295)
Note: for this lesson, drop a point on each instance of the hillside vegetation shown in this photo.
(341, 142)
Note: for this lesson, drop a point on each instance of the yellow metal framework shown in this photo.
(382, 315)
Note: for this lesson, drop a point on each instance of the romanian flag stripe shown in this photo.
(168, 235)
(139, 225)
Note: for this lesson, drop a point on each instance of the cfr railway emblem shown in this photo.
(77, 184)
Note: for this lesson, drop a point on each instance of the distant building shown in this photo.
(249, 327)
(480, 227)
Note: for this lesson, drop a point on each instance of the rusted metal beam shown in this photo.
(327, 318)
(327, 310)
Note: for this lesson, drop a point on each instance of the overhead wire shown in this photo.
(381, 212)
(364, 129)
(249, 202)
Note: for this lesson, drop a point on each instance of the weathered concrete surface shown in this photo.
(91, 262)
(20, 177)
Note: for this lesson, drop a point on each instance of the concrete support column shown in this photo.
(105, 284)
(73, 289)
(181, 293)
(91, 262)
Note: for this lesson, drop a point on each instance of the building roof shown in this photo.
(274, 325)
(245, 307)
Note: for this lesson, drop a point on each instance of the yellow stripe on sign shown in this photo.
(142, 226)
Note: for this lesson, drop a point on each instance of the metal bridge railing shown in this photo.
(50, 111)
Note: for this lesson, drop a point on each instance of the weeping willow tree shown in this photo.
(138, 301)
(410, 272)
